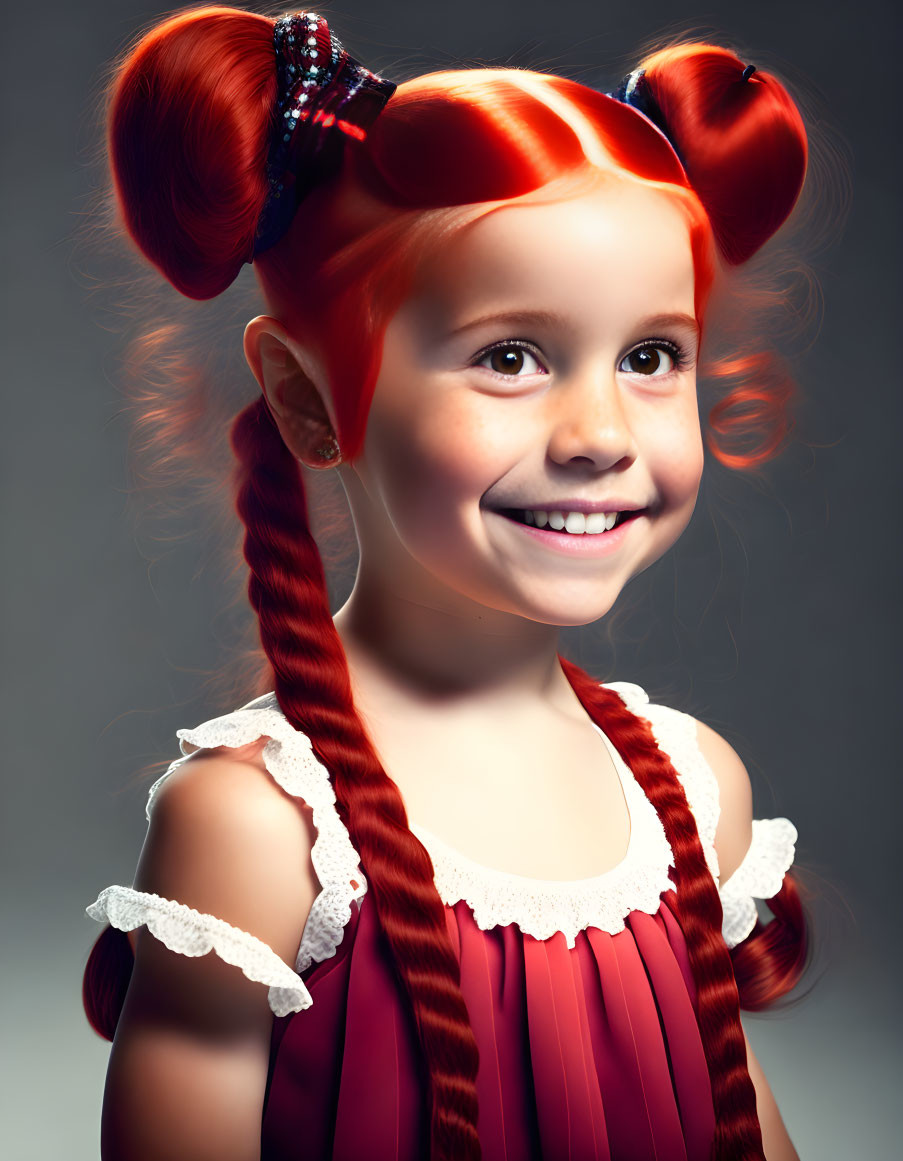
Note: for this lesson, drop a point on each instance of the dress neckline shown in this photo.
(540, 908)
(447, 854)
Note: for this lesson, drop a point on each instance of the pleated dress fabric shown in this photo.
(586, 1053)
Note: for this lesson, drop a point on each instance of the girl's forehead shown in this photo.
(622, 248)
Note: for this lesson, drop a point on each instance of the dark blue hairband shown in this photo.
(634, 90)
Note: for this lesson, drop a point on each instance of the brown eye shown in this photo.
(510, 360)
(507, 360)
(650, 360)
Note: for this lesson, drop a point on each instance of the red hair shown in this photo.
(196, 92)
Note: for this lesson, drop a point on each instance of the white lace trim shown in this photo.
(194, 933)
(289, 757)
(542, 907)
(759, 876)
(771, 851)
(675, 733)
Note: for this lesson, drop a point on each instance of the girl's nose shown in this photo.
(590, 421)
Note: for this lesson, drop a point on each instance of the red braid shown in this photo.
(312, 685)
(737, 1133)
(106, 980)
(772, 959)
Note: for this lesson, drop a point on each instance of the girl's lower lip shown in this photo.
(578, 543)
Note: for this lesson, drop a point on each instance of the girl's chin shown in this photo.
(556, 609)
(571, 618)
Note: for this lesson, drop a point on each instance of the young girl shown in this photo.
(463, 900)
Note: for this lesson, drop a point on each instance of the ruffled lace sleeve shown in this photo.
(759, 876)
(194, 933)
(289, 758)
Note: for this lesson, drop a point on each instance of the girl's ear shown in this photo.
(295, 393)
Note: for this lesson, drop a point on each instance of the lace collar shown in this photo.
(542, 907)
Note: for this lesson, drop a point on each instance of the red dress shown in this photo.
(580, 994)
(585, 1053)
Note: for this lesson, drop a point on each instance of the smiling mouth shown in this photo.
(559, 521)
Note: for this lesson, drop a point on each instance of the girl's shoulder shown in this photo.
(257, 734)
(244, 854)
(225, 839)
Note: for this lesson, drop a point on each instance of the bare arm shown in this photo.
(775, 1138)
(188, 1067)
(732, 839)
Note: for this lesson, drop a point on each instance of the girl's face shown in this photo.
(543, 362)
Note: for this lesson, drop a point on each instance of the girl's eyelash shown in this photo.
(679, 356)
(505, 345)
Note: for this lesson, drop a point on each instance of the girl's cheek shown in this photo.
(421, 462)
(676, 451)
(460, 447)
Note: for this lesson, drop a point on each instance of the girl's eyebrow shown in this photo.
(551, 319)
(540, 317)
(676, 319)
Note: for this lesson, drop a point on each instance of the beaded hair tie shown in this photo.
(324, 97)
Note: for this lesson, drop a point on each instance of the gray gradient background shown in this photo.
(775, 619)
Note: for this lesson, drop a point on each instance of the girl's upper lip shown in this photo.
(614, 504)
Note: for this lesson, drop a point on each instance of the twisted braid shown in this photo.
(737, 1134)
(775, 956)
(288, 591)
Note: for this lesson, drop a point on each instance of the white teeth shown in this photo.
(577, 523)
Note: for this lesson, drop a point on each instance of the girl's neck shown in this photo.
(402, 652)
